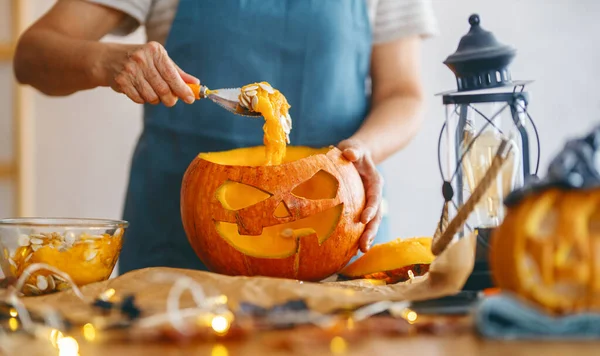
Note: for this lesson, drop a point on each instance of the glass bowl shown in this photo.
(85, 249)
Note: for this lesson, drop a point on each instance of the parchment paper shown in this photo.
(447, 275)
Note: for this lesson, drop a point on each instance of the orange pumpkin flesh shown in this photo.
(274, 108)
(392, 261)
(547, 250)
(299, 219)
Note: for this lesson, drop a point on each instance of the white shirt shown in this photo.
(390, 19)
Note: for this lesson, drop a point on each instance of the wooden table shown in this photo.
(305, 341)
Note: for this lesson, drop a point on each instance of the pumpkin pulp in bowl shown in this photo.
(84, 249)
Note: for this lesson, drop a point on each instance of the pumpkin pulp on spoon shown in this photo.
(262, 98)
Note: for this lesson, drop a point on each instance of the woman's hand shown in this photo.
(146, 74)
(356, 152)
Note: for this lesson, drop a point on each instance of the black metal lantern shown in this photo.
(486, 109)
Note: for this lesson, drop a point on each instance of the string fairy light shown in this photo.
(209, 312)
(338, 345)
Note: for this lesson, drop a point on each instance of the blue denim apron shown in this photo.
(316, 52)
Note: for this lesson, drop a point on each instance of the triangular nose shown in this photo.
(282, 211)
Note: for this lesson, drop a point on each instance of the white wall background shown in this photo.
(84, 142)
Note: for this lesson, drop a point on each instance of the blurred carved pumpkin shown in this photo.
(300, 219)
(547, 250)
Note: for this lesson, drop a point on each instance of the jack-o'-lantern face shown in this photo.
(548, 248)
(310, 208)
(296, 220)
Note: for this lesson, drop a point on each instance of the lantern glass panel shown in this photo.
(474, 133)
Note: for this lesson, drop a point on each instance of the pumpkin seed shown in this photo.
(58, 278)
(36, 247)
(267, 88)
(244, 101)
(36, 241)
(285, 124)
(254, 102)
(61, 286)
(252, 87)
(38, 236)
(24, 240)
(30, 289)
(51, 283)
(94, 237)
(70, 238)
(28, 257)
(42, 283)
(12, 263)
(90, 255)
(251, 93)
(118, 232)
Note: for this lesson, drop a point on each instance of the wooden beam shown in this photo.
(6, 51)
(7, 170)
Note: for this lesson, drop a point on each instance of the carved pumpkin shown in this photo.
(547, 250)
(300, 219)
(391, 261)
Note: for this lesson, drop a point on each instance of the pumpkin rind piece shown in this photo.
(391, 261)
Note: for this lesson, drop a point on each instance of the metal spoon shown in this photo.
(228, 99)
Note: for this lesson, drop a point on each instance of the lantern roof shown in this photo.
(481, 61)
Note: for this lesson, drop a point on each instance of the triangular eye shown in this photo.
(322, 185)
(235, 196)
(282, 211)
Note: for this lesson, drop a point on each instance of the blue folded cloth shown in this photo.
(506, 317)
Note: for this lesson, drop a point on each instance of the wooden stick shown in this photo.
(6, 51)
(24, 128)
(440, 243)
(7, 170)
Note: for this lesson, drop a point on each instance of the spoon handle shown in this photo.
(198, 90)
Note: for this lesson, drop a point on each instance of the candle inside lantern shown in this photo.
(479, 152)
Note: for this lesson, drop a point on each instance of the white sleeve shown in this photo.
(395, 19)
(136, 10)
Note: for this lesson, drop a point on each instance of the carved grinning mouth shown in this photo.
(277, 241)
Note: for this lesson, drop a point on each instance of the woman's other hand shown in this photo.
(146, 74)
(356, 152)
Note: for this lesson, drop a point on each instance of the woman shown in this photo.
(320, 54)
